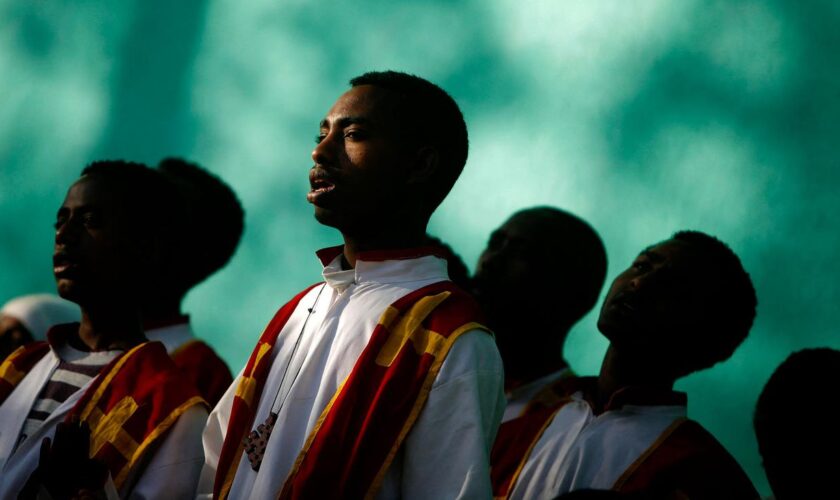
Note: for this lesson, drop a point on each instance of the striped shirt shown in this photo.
(75, 369)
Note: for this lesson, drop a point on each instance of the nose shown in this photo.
(493, 257)
(324, 151)
(657, 277)
(66, 232)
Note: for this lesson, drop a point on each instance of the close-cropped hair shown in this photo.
(729, 287)
(429, 116)
(572, 240)
(216, 219)
(147, 200)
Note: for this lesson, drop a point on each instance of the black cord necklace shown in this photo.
(256, 441)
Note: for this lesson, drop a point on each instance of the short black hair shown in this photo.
(731, 291)
(435, 120)
(807, 375)
(572, 241)
(135, 184)
(798, 444)
(215, 221)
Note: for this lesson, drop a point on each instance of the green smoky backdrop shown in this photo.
(643, 117)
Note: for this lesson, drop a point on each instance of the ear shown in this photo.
(426, 163)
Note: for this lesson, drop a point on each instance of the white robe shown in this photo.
(171, 472)
(580, 450)
(173, 336)
(445, 455)
(518, 399)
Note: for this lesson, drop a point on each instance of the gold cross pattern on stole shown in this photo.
(257, 440)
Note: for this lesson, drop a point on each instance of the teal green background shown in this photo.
(644, 117)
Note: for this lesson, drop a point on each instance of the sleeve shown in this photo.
(212, 439)
(446, 454)
(174, 468)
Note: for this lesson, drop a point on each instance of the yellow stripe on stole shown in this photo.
(162, 427)
(94, 401)
(247, 386)
(109, 428)
(409, 327)
(9, 373)
(264, 348)
(245, 389)
(420, 402)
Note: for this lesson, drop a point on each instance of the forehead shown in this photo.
(364, 102)
(523, 226)
(88, 191)
(673, 252)
(532, 227)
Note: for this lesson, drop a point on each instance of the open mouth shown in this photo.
(320, 184)
(63, 265)
(626, 302)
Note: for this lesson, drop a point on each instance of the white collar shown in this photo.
(172, 336)
(383, 267)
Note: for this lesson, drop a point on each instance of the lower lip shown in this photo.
(315, 195)
(623, 306)
(63, 269)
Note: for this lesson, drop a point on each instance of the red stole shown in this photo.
(203, 368)
(517, 437)
(248, 392)
(687, 460)
(17, 365)
(134, 400)
(360, 431)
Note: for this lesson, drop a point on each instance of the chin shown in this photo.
(69, 291)
(327, 217)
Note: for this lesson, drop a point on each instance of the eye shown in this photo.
(320, 137)
(59, 221)
(91, 220)
(641, 265)
(355, 134)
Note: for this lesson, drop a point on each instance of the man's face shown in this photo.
(359, 176)
(513, 265)
(659, 301)
(91, 259)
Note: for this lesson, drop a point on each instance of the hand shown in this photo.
(65, 469)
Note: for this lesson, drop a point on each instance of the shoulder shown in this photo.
(473, 354)
(685, 459)
(197, 352)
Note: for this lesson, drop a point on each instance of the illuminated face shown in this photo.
(359, 179)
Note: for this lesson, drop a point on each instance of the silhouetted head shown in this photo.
(214, 224)
(111, 233)
(686, 302)
(796, 425)
(388, 152)
(543, 263)
(455, 266)
(28, 317)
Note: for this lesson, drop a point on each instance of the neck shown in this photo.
(162, 311)
(525, 362)
(626, 369)
(111, 327)
(407, 236)
(540, 368)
